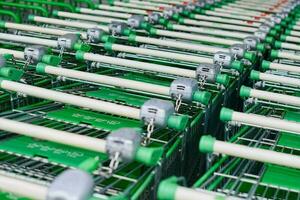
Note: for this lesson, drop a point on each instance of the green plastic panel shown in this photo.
(147, 79)
(6, 196)
(282, 176)
(288, 139)
(98, 120)
(58, 153)
(118, 96)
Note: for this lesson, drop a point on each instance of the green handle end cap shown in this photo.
(274, 54)
(283, 38)
(265, 65)
(277, 27)
(148, 156)
(40, 68)
(237, 65)
(108, 46)
(107, 38)
(153, 31)
(226, 114)
(269, 40)
(206, 144)
(167, 189)
(82, 47)
(202, 97)
(77, 9)
(223, 79)
(277, 44)
(288, 31)
(254, 75)
(250, 56)
(178, 122)
(31, 17)
(55, 12)
(273, 32)
(51, 60)
(2, 24)
(261, 47)
(79, 55)
(245, 91)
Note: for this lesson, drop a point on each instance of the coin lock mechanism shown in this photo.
(94, 35)
(156, 113)
(183, 90)
(72, 184)
(136, 21)
(122, 145)
(117, 28)
(67, 41)
(154, 17)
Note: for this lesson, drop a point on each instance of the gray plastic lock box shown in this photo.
(72, 184)
(184, 87)
(158, 110)
(125, 141)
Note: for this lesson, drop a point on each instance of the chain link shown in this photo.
(150, 129)
(178, 102)
(202, 81)
(113, 165)
(61, 52)
(27, 62)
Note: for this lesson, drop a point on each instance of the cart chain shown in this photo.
(113, 165)
(61, 52)
(178, 102)
(202, 81)
(150, 129)
(27, 62)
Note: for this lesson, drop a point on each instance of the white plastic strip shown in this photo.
(261, 155)
(288, 55)
(296, 27)
(108, 80)
(88, 17)
(295, 33)
(212, 31)
(28, 40)
(22, 188)
(271, 123)
(76, 24)
(226, 20)
(220, 25)
(150, 4)
(179, 45)
(280, 79)
(237, 12)
(104, 13)
(161, 54)
(122, 9)
(139, 65)
(292, 39)
(93, 104)
(31, 28)
(200, 38)
(122, 4)
(57, 136)
(290, 46)
(283, 67)
(275, 97)
(16, 54)
(183, 193)
(227, 15)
